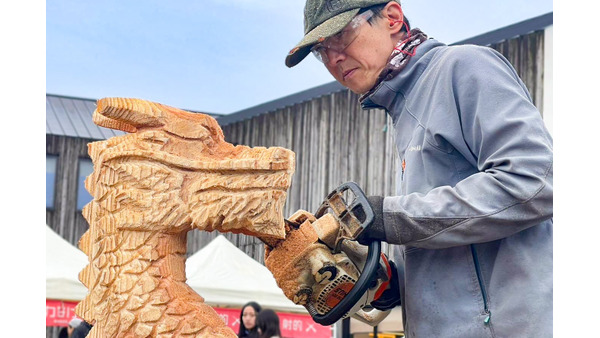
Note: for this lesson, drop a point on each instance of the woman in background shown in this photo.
(248, 320)
(267, 322)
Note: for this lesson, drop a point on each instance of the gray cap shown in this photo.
(324, 18)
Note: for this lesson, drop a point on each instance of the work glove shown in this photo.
(374, 231)
(390, 298)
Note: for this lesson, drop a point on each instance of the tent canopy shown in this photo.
(63, 264)
(225, 276)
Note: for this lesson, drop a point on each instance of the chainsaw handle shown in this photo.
(352, 218)
(357, 291)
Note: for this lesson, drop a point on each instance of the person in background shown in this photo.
(470, 223)
(73, 323)
(267, 322)
(63, 332)
(248, 320)
(82, 330)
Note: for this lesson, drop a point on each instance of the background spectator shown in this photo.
(72, 325)
(267, 322)
(248, 320)
(82, 330)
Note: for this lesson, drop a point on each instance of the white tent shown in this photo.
(63, 264)
(220, 272)
(226, 277)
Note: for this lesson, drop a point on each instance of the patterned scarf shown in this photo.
(399, 58)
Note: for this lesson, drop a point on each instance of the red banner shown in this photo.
(292, 325)
(59, 313)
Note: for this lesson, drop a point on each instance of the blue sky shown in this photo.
(218, 56)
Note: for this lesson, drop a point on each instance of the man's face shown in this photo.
(358, 65)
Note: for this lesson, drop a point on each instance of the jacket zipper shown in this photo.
(481, 285)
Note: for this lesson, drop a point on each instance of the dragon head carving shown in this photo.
(173, 172)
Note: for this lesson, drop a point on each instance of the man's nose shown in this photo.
(334, 56)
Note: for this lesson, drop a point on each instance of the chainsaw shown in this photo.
(321, 266)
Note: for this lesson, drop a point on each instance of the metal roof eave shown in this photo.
(289, 100)
(509, 32)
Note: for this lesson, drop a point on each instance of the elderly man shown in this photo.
(472, 214)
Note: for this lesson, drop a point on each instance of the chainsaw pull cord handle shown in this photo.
(353, 219)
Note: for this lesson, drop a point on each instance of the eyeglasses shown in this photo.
(341, 40)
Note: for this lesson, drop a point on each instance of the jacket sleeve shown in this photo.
(499, 131)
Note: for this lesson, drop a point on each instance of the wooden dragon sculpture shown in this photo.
(172, 173)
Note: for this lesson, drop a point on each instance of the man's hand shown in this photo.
(374, 231)
(390, 298)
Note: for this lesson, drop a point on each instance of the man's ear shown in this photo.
(393, 13)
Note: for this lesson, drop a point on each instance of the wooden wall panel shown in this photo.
(65, 219)
(526, 54)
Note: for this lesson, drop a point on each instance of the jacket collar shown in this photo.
(386, 94)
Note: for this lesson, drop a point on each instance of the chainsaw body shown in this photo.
(319, 264)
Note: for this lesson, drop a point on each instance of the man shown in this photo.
(473, 210)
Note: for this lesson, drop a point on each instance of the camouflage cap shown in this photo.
(324, 18)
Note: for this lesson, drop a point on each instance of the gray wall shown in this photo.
(526, 53)
(65, 219)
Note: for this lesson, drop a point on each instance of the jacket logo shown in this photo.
(414, 148)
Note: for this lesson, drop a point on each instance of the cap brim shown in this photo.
(322, 31)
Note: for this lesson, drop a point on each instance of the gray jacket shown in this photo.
(473, 211)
